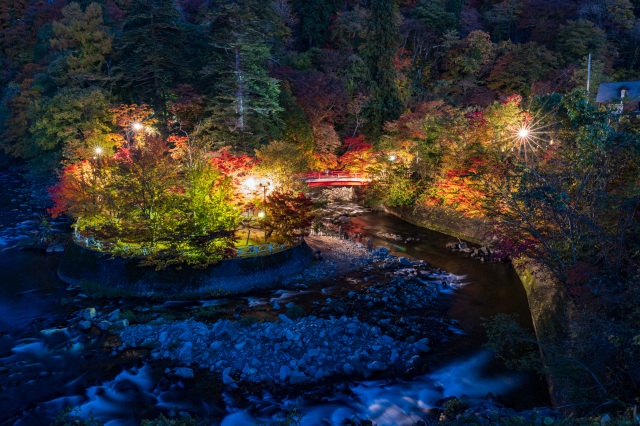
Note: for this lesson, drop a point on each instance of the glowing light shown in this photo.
(529, 137)
(137, 126)
(261, 215)
(523, 133)
(392, 157)
(98, 150)
(250, 183)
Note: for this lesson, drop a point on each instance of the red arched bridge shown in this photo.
(336, 178)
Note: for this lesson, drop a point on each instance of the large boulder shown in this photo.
(104, 325)
(381, 252)
(422, 345)
(114, 315)
(226, 376)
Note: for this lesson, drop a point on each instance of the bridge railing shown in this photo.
(335, 174)
(260, 250)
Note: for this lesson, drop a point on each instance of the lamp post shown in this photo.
(262, 214)
(264, 186)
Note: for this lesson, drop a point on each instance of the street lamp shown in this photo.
(262, 215)
(523, 133)
(98, 151)
(250, 183)
(264, 186)
(130, 131)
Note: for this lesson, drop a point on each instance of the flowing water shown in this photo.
(55, 369)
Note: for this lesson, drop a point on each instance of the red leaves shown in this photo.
(234, 166)
(188, 106)
(477, 118)
(288, 214)
(123, 155)
(402, 60)
(357, 143)
(580, 273)
(71, 193)
(459, 190)
(322, 96)
(358, 156)
(515, 99)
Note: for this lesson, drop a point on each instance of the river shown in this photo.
(58, 368)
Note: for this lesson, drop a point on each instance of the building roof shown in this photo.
(610, 92)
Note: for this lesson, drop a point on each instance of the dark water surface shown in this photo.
(490, 288)
(29, 288)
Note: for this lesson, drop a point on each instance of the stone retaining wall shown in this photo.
(549, 312)
(442, 220)
(119, 277)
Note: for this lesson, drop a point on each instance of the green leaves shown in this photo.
(72, 122)
(433, 13)
(143, 202)
(578, 38)
(86, 42)
(512, 343)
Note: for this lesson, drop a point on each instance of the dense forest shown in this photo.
(477, 106)
(310, 73)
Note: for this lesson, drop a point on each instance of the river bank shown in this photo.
(546, 297)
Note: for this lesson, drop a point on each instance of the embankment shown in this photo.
(107, 275)
(549, 312)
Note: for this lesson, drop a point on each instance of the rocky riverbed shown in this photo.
(23, 217)
(287, 351)
(378, 324)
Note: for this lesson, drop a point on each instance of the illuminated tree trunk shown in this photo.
(239, 92)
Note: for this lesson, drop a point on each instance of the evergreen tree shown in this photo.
(151, 49)
(315, 17)
(385, 102)
(84, 41)
(245, 103)
(435, 16)
(16, 139)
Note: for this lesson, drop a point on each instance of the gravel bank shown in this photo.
(376, 328)
(339, 257)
